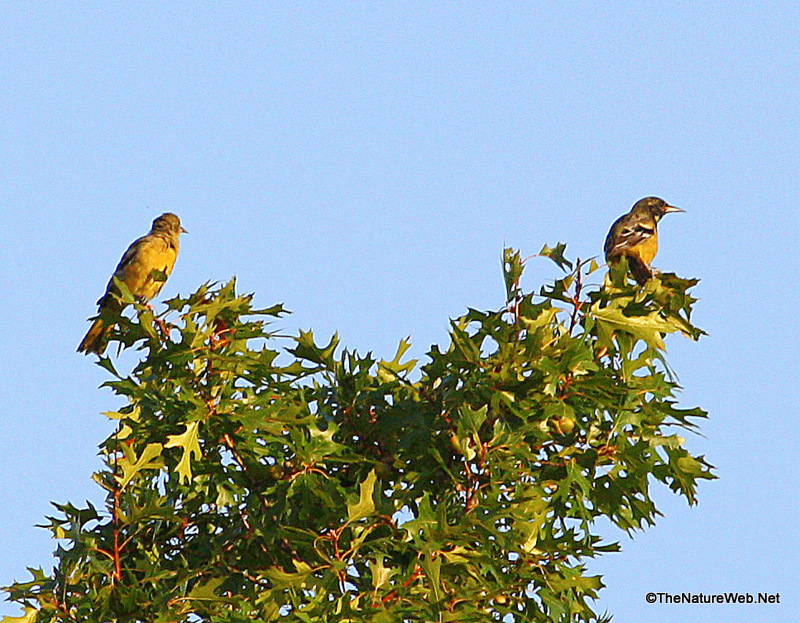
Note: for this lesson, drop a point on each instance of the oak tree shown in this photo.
(253, 477)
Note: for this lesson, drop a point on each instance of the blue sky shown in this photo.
(365, 164)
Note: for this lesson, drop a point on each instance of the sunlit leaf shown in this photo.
(30, 616)
(557, 255)
(131, 465)
(366, 504)
(188, 442)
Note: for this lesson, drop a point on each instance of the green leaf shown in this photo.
(307, 349)
(585, 583)
(31, 614)
(289, 579)
(187, 440)
(206, 591)
(124, 293)
(394, 367)
(432, 564)
(225, 497)
(512, 270)
(557, 255)
(132, 465)
(649, 328)
(381, 575)
(158, 275)
(471, 420)
(366, 503)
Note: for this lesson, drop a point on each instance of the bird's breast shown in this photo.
(138, 273)
(647, 249)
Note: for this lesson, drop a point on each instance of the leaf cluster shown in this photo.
(308, 482)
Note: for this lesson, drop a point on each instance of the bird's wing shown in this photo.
(627, 233)
(135, 269)
(152, 252)
(129, 255)
(119, 271)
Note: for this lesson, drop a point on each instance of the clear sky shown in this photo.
(364, 164)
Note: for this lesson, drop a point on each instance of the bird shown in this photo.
(635, 235)
(140, 269)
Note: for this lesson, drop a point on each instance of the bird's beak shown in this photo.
(672, 209)
(185, 231)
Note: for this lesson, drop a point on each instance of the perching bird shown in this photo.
(138, 270)
(635, 235)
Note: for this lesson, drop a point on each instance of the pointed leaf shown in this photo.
(31, 614)
(132, 465)
(189, 442)
(512, 270)
(557, 255)
(394, 367)
(380, 574)
(286, 579)
(366, 504)
(206, 590)
(648, 328)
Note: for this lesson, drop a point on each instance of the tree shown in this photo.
(312, 483)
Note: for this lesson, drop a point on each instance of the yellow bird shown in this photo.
(139, 270)
(635, 235)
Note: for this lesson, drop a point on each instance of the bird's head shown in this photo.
(169, 223)
(657, 207)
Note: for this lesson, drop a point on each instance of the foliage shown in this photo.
(311, 483)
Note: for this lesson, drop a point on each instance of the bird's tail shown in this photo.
(96, 338)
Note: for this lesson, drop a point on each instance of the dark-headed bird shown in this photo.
(141, 269)
(635, 235)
